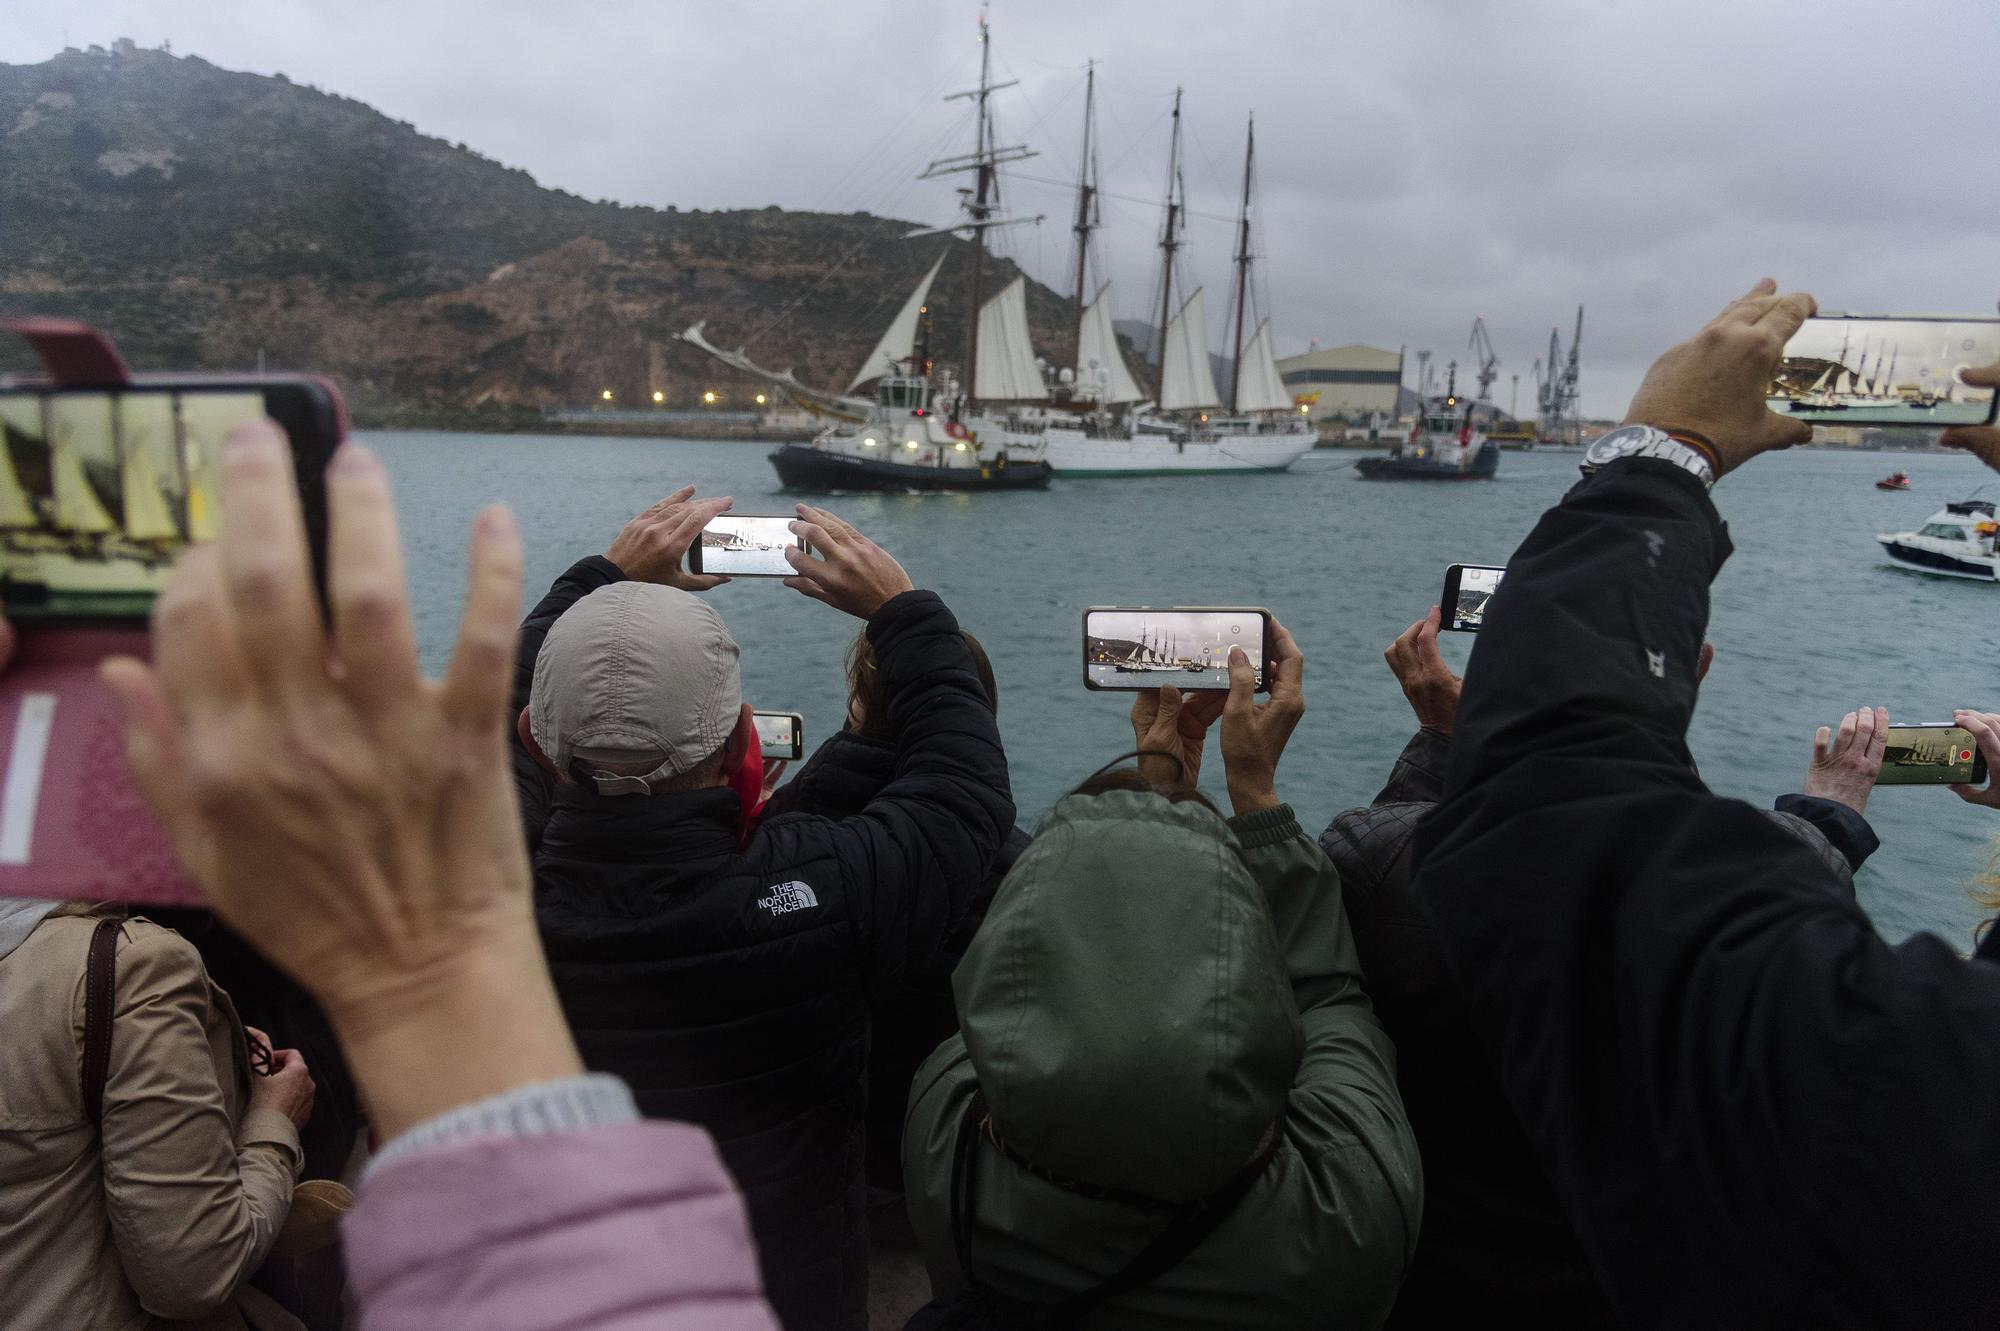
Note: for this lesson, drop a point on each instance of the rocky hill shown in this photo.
(203, 216)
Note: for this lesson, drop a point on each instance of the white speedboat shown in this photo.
(1957, 542)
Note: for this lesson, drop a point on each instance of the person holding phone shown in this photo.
(1753, 1109)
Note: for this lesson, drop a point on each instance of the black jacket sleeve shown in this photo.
(1847, 831)
(1756, 1111)
(532, 783)
(922, 847)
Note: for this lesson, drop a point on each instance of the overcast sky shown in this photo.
(1420, 161)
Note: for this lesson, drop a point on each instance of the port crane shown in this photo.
(1556, 394)
(1489, 359)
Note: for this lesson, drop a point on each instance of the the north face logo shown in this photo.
(788, 897)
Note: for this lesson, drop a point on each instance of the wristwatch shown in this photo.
(1643, 441)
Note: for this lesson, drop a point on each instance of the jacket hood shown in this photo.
(18, 918)
(1125, 1005)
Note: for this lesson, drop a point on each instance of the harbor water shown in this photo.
(1809, 619)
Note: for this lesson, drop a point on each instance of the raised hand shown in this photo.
(1428, 684)
(1982, 441)
(1714, 383)
(1253, 733)
(1166, 721)
(1985, 728)
(844, 569)
(1846, 762)
(654, 544)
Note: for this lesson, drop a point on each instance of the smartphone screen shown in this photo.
(745, 545)
(781, 735)
(1886, 370)
(99, 490)
(1937, 754)
(1467, 589)
(1187, 647)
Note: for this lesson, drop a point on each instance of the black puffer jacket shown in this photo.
(1495, 1244)
(734, 990)
(843, 774)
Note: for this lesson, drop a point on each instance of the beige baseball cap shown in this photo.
(635, 674)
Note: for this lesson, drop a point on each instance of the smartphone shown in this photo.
(745, 545)
(1141, 647)
(1467, 589)
(1936, 753)
(781, 734)
(1887, 369)
(101, 488)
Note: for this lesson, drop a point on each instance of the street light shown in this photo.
(658, 397)
(760, 399)
(709, 397)
(606, 395)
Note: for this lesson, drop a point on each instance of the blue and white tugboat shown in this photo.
(1445, 444)
(1956, 542)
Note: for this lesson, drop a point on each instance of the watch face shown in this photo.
(1614, 445)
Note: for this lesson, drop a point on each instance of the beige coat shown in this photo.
(163, 1214)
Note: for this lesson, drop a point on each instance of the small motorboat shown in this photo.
(1957, 542)
(1895, 480)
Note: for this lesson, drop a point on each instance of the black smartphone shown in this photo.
(1935, 753)
(1467, 589)
(101, 488)
(782, 735)
(1887, 370)
(745, 545)
(1142, 647)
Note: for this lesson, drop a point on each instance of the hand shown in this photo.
(651, 547)
(852, 573)
(1166, 721)
(1427, 681)
(1254, 733)
(1982, 441)
(351, 818)
(1845, 764)
(1985, 728)
(287, 1088)
(1714, 383)
(774, 772)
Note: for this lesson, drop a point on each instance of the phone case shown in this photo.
(1143, 682)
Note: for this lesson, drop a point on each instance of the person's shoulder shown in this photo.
(154, 958)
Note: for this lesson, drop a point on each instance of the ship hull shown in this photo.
(1911, 554)
(1072, 453)
(802, 467)
(1484, 463)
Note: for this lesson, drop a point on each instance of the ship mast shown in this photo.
(1086, 192)
(1169, 237)
(1242, 265)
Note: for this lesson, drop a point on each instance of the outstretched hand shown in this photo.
(1253, 733)
(1982, 441)
(1166, 721)
(350, 818)
(653, 545)
(1846, 762)
(1714, 384)
(1985, 728)
(1428, 684)
(851, 572)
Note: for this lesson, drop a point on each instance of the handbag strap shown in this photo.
(100, 998)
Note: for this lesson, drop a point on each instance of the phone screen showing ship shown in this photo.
(1476, 585)
(1847, 369)
(777, 734)
(1144, 649)
(99, 492)
(1929, 755)
(742, 545)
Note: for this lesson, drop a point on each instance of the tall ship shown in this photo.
(1445, 444)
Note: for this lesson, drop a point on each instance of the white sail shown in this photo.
(1097, 352)
(899, 340)
(1259, 387)
(17, 512)
(1186, 382)
(147, 517)
(77, 508)
(1007, 369)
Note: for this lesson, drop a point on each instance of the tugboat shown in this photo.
(1444, 445)
(1956, 542)
(1895, 480)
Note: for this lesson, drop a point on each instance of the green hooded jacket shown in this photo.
(1152, 990)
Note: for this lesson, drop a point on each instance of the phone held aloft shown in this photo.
(1144, 647)
(781, 735)
(745, 545)
(1467, 589)
(1886, 370)
(1935, 753)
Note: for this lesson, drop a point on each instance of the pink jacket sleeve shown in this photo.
(606, 1228)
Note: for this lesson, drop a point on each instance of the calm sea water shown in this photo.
(1809, 620)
